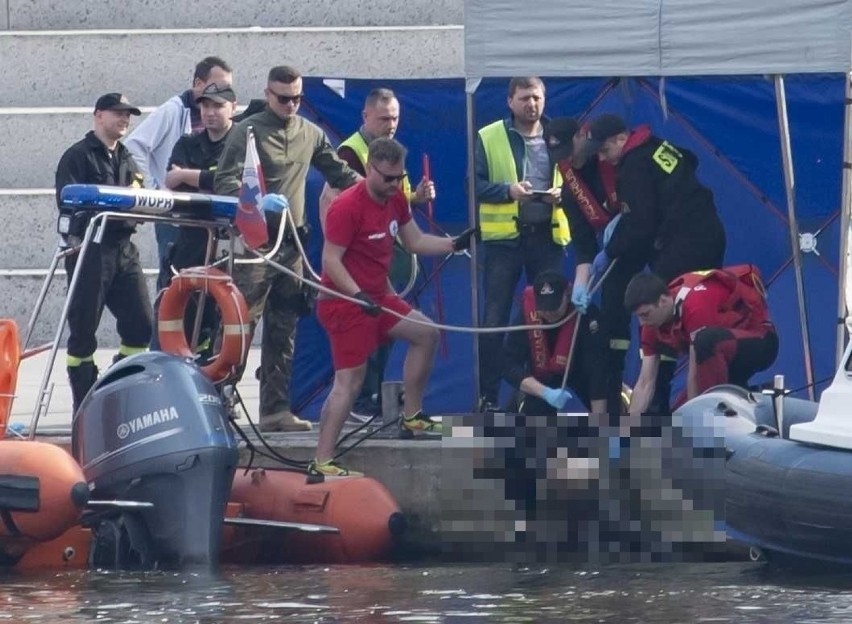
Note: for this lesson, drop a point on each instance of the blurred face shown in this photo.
(216, 116)
(284, 98)
(612, 148)
(112, 124)
(382, 119)
(578, 143)
(384, 178)
(527, 105)
(218, 75)
(555, 315)
(657, 314)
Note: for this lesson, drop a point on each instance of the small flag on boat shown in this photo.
(250, 220)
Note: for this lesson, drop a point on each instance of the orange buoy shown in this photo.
(10, 358)
(42, 494)
(236, 328)
(366, 515)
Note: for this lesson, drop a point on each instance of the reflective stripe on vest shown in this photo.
(499, 221)
(358, 145)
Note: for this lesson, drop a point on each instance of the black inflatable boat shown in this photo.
(788, 473)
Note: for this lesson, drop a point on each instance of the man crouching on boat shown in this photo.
(360, 228)
(535, 361)
(717, 317)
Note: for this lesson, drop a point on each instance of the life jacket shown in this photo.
(500, 221)
(546, 361)
(598, 215)
(357, 144)
(637, 137)
(745, 307)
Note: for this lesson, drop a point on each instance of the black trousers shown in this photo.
(111, 276)
(189, 249)
(503, 265)
(616, 323)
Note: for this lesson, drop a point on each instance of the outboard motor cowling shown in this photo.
(153, 430)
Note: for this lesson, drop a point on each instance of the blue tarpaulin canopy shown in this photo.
(705, 75)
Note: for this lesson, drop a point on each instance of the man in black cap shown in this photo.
(111, 272)
(192, 168)
(591, 204)
(535, 361)
(667, 216)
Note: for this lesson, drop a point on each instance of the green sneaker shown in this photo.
(319, 472)
(421, 423)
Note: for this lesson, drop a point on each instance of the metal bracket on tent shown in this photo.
(808, 242)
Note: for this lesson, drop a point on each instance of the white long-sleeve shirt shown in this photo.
(153, 140)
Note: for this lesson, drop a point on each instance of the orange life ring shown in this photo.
(236, 329)
(10, 359)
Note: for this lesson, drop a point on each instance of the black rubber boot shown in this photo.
(82, 378)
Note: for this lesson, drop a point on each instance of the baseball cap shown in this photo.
(116, 102)
(602, 128)
(549, 287)
(559, 135)
(216, 93)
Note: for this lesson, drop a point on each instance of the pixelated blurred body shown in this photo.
(568, 488)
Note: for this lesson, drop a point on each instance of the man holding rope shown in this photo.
(360, 228)
(381, 119)
(536, 361)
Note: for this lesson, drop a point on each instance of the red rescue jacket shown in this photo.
(745, 307)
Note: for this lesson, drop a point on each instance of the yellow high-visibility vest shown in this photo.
(499, 221)
(358, 145)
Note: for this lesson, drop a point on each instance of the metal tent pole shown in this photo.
(790, 185)
(471, 85)
(844, 294)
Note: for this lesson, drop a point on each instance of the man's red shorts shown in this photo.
(354, 335)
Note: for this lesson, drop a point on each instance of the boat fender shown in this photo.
(236, 330)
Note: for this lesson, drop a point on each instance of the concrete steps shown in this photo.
(32, 15)
(60, 59)
(71, 68)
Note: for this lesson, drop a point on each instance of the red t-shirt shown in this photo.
(367, 230)
(698, 309)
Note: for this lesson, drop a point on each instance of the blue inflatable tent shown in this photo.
(756, 90)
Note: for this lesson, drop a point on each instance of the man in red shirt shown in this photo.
(360, 228)
(718, 317)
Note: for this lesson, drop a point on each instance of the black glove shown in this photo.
(370, 306)
(462, 241)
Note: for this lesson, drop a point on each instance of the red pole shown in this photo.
(439, 295)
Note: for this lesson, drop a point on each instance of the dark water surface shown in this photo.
(726, 592)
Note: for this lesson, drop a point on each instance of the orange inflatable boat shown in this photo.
(365, 514)
(42, 494)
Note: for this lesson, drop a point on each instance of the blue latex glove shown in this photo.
(273, 202)
(556, 397)
(610, 228)
(615, 448)
(599, 266)
(580, 298)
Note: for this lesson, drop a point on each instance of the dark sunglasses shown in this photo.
(286, 99)
(390, 179)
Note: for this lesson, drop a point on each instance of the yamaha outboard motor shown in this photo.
(152, 437)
